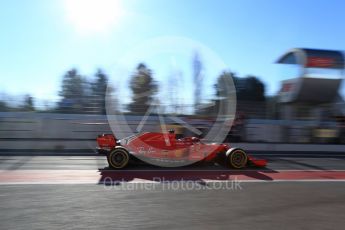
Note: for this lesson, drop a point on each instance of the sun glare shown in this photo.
(93, 16)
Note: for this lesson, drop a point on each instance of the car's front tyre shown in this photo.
(236, 158)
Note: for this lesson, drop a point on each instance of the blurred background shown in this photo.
(279, 79)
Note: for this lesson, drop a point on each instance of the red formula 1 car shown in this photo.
(169, 151)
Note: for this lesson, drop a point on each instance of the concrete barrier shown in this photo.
(279, 147)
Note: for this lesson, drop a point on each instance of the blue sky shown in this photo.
(40, 40)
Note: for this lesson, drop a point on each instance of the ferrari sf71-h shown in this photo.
(165, 147)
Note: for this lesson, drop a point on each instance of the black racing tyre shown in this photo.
(236, 158)
(118, 158)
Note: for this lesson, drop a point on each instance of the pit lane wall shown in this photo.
(61, 132)
(48, 131)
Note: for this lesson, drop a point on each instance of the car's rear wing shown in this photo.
(106, 141)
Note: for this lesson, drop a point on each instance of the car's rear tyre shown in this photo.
(236, 158)
(118, 158)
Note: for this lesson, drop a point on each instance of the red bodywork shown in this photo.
(165, 146)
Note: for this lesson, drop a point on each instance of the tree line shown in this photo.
(79, 94)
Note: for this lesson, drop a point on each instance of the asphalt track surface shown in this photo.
(295, 191)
